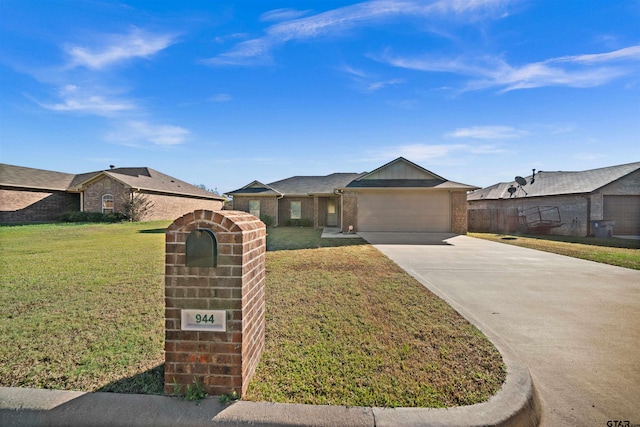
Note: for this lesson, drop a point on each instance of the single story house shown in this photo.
(398, 196)
(36, 195)
(561, 203)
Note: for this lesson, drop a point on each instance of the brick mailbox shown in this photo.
(214, 300)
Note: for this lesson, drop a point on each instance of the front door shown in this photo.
(332, 213)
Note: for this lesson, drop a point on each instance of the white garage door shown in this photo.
(406, 210)
(625, 211)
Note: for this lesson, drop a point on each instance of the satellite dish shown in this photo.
(521, 181)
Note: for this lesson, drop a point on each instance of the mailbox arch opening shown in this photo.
(202, 249)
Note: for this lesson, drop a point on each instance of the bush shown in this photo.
(268, 220)
(303, 222)
(91, 217)
(136, 206)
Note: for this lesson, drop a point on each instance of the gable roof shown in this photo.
(37, 179)
(303, 185)
(399, 173)
(147, 179)
(558, 183)
(141, 178)
(298, 185)
(402, 173)
(256, 188)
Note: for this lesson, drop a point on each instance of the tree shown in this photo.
(136, 206)
(204, 187)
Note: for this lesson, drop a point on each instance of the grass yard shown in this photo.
(614, 251)
(81, 307)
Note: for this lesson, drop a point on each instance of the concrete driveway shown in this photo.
(574, 323)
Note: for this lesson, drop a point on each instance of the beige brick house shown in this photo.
(36, 195)
(561, 203)
(398, 196)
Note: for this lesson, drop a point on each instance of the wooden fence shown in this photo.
(494, 220)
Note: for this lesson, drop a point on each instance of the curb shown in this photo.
(516, 404)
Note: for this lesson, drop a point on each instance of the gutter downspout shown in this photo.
(280, 197)
(339, 193)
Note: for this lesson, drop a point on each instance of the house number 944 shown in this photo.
(203, 318)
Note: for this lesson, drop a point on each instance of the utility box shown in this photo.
(602, 228)
(214, 301)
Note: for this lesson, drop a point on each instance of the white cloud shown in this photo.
(487, 132)
(118, 48)
(423, 152)
(79, 100)
(220, 97)
(372, 87)
(367, 82)
(580, 71)
(137, 133)
(282, 15)
(337, 21)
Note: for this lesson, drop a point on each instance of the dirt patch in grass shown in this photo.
(614, 251)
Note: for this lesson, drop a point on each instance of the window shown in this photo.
(254, 208)
(107, 203)
(296, 210)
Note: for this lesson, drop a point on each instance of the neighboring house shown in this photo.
(561, 203)
(36, 195)
(399, 196)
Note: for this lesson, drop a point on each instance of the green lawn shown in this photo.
(81, 307)
(619, 252)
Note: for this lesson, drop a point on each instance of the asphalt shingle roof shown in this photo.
(314, 184)
(558, 183)
(142, 178)
(18, 176)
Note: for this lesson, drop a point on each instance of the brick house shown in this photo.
(398, 196)
(36, 195)
(561, 203)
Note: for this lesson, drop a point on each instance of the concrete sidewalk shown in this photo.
(574, 323)
(514, 405)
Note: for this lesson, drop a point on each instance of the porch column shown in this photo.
(316, 215)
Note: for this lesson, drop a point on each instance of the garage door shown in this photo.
(625, 211)
(420, 211)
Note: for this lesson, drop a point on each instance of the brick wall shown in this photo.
(267, 205)
(349, 210)
(169, 207)
(165, 206)
(458, 201)
(94, 191)
(284, 209)
(35, 206)
(221, 361)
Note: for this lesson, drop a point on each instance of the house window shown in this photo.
(254, 208)
(107, 203)
(296, 210)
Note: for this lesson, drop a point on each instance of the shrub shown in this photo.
(303, 222)
(136, 206)
(268, 220)
(91, 217)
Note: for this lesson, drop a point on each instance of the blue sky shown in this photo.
(221, 93)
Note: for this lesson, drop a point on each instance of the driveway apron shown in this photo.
(574, 323)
